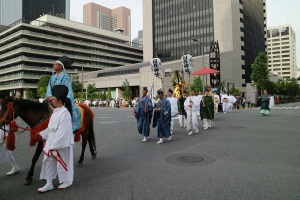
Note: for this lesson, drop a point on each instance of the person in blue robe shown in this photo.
(62, 78)
(162, 117)
(143, 114)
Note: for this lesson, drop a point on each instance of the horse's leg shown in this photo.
(92, 142)
(38, 151)
(84, 141)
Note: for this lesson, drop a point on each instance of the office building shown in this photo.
(28, 50)
(138, 39)
(13, 10)
(282, 51)
(117, 19)
(239, 26)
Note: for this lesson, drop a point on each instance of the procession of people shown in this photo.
(58, 137)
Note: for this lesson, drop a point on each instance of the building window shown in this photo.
(275, 33)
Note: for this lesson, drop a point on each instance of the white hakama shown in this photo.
(195, 108)
(59, 137)
(174, 111)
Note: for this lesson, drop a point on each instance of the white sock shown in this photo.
(161, 140)
(49, 182)
(145, 138)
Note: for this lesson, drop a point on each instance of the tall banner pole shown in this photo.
(187, 65)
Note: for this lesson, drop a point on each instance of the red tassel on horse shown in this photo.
(11, 141)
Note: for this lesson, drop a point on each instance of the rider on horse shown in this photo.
(62, 78)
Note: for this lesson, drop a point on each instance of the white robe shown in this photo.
(231, 101)
(5, 155)
(272, 102)
(174, 110)
(58, 136)
(195, 108)
(199, 99)
(224, 104)
(217, 101)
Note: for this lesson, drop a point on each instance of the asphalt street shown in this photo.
(243, 156)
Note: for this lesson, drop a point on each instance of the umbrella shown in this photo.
(205, 71)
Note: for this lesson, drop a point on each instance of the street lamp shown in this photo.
(86, 80)
(202, 53)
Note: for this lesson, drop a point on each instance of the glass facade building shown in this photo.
(13, 10)
(28, 50)
(176, 23)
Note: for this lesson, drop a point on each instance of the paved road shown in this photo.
(246, 156)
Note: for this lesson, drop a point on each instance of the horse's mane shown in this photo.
(26, 105)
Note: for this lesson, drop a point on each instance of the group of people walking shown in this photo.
(187, 109)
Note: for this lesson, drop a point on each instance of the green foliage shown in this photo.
(81, 95)
(42, 85)
(293, 87)
(197, 85)
(29, 94)
(77, 87)
(108, 96)
(235, 92)
(271, 87)
(102, 95)
(260, 72)
(281, 87)
(91, 90)
(126, 90)
(221, 87)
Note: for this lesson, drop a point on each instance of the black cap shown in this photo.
(160, 91)
(3, 94)
(65, 60)
(171, 91)
(144, 88)
(192, 89)
(60, 91)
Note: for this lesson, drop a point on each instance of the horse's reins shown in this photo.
(11, 107)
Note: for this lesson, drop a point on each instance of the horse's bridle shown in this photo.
(10, 111)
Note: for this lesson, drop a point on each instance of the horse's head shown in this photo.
(7, 111)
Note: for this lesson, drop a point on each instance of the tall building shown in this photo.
(237, 25)
(138, 39)
(14, 10)
(28, 50)
(282, 51)
(117, 19)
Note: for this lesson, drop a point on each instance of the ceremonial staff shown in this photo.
(187, 66)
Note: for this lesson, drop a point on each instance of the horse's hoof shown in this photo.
(94, 156)
(79, 164)
(27, 182)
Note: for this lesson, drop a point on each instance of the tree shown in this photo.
(197, 85)
(102, 95)
(29, 94)
(108, 93)
(235, 92)
(271, 87)
(76, 86)
(127, 91)
(221, 87)
(81, 95)
(260, 72)
(91, 91)
(42, 85)
(292, 87)
(281, 87)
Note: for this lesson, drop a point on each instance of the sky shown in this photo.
(279, 12)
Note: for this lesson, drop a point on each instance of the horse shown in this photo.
(34, 114)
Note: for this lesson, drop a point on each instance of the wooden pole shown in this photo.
(191, 114)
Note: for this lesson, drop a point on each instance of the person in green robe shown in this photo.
(181, 110)
(207, 110)
(265, 104)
